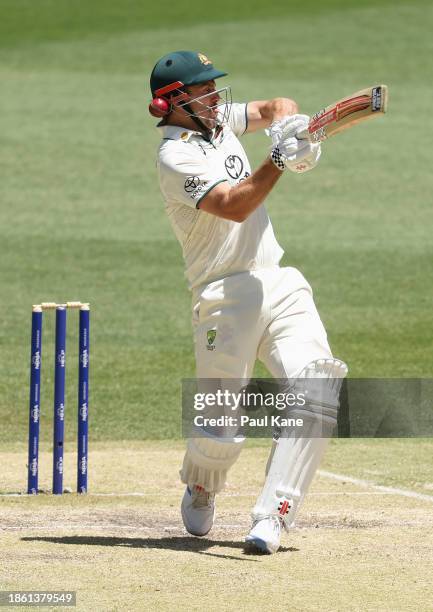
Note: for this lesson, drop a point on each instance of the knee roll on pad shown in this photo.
(320, 381)
(207, 460)
(295, 459)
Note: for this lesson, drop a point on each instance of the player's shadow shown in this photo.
(179, 543)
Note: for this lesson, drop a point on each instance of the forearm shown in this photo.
(262, 113)
(238, 202)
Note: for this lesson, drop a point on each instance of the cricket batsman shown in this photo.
(244, 305)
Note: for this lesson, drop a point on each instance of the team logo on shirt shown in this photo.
(234, 166)
(211, 335)
(191, 183)
(194, 186)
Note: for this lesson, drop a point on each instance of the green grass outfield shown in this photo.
(81, 216)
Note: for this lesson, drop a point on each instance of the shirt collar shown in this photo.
(175, 132)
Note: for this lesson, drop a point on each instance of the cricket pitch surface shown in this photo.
(358, 544)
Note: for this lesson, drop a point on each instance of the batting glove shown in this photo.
(306, 159)
(289, 151)
(287, 127)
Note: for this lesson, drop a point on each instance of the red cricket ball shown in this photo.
(159, 107)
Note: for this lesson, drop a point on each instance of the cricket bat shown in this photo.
(347, 112)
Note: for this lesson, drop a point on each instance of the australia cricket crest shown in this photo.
(211, 335)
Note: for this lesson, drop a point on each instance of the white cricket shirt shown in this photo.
(189, 167)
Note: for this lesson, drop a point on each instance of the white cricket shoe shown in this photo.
(198, 510)
(265, 534)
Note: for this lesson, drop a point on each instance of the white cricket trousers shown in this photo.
(267, 314)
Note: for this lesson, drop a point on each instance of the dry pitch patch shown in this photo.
(354, 547)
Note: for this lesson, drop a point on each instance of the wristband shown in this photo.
(278, 159)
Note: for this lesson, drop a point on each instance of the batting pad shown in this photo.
(295, 459)
(207, 460)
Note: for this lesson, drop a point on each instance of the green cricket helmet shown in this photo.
(184, 68)
(180, 69)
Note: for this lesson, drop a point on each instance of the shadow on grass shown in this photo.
(184, 543)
